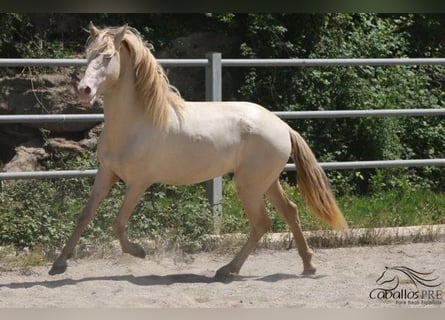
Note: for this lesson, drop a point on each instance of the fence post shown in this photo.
(213, 78)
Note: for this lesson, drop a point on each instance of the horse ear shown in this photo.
(93, 30)
(120, 36)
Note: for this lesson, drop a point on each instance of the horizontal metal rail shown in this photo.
(58, 118)
(375, 164)
(330, 62)
(328, 114)
(98, 117)
(83, 62)
(183, 62)
(12, 62)
(57, 174)
(25, 175)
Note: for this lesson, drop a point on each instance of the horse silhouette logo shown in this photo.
(394, 276)
(402, 283)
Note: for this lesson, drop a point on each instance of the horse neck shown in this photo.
(122, 105)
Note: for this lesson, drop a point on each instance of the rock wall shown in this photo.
(22, 146)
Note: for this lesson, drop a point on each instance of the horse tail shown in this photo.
(314, 185)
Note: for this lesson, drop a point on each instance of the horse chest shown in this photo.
(109, 160)
(120, 160)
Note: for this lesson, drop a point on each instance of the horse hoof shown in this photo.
(225, 273)
(140, 253)
(135, 250)
(57, 269)
(309, 271)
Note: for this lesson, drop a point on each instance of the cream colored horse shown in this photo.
(151, 135)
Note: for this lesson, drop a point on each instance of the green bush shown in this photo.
(347, 88)
(43, 213)
(34, 213)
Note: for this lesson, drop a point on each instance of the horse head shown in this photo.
(103, 59)
(119, 57)
(388, 278)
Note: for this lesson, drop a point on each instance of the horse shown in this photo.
(152, 135)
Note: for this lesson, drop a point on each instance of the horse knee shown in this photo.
(291, 212)
(261, 226)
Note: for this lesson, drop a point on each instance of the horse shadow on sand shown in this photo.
(153, 280)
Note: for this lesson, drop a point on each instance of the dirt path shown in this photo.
(270, 278)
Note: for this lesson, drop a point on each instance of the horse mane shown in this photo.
(151, 81)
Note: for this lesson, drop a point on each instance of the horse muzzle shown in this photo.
(87, 95)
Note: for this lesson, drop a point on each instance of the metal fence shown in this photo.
(213, 64)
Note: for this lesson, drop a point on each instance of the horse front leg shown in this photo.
(103, 182)
(132, 196)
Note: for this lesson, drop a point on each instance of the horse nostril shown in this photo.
(87, 90)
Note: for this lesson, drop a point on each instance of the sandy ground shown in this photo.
(270, 278)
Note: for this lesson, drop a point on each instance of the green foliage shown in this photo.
(348, 88)
(33, 36)
(394, 209)
(233, 216)
(181, 214)
(43, 213)
(30, 214)
(405, 204)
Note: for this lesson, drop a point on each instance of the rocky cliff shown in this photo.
(22, 146)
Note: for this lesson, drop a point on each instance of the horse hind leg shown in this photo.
(253, 203)
(289, 211)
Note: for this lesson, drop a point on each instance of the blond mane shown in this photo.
(151, 81)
